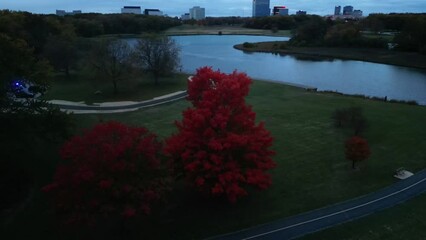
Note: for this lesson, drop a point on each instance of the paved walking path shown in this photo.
(115, 107)
(316, 220)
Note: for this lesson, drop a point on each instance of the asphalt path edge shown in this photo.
(332, 215)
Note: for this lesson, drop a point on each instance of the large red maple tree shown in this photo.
(111, 170)
(219, 148)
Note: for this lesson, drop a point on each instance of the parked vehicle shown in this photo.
(26, 89)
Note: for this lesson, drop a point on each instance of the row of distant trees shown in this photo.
(115, 58)
(45, 34)
(312, 30)
(62, 42)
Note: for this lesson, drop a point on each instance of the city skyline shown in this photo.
(217, 8)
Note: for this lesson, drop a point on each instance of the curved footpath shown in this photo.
(116, 107)
(319, 219)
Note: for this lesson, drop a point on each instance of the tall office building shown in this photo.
(337, 10)
(185, 16)
(197, 13)
(280, 10)
(357, 13)
(261, 8)
(153, 12)
(348, 10)
(131, 9)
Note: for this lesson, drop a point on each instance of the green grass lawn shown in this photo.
(312, 171)
(78, 88)
(405, 221)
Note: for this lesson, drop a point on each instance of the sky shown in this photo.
(214, 8)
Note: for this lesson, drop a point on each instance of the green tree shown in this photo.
(351, 118)
(158, 55)
(310, 32)
(61, 50)
(28, 127)
(344, 34)
(413, 36)
(18, 62)
(111, 58)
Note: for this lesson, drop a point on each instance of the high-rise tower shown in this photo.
(261, 8)
(337, 10)
(348, 10)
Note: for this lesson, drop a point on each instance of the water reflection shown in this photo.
(311, 58)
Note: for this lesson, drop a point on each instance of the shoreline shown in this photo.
(381, 56)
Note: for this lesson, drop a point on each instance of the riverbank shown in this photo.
(405, 59)
(185, 30)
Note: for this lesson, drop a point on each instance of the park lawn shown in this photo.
(405, 221)
(78, 88)
(312, 171)
(187, 29)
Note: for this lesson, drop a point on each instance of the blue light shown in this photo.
(16, 84)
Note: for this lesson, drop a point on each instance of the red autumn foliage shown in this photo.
(357, 149)
(111, 170)
(219, 148)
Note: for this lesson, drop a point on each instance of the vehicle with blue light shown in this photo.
(25, 89)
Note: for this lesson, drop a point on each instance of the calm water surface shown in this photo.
(352, 77)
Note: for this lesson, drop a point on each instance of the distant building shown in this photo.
(197, 13)
(357, 13)
(337, 10)
(63, 12)
(153, 12)
(300, 12)
(261, 8)
(185, 16)
(280, 10)
(131, 9)
(348, 10)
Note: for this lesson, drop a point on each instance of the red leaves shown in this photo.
(219, 147)
(357, 149)
(112, 169)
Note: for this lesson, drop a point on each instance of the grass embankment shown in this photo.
(78, 88)
(406, 221)
(226, 30)
(312, 171)
(406, 59)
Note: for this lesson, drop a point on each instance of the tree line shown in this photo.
(409, 30)
(62, 43)
(32, 48)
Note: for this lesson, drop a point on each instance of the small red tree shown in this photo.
(219, 148)
(112, 169)
(357, 149)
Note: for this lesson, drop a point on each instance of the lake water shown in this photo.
(346, 76)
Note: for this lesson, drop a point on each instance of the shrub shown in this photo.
(350, 118)
(111, 170)
(249, 45)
